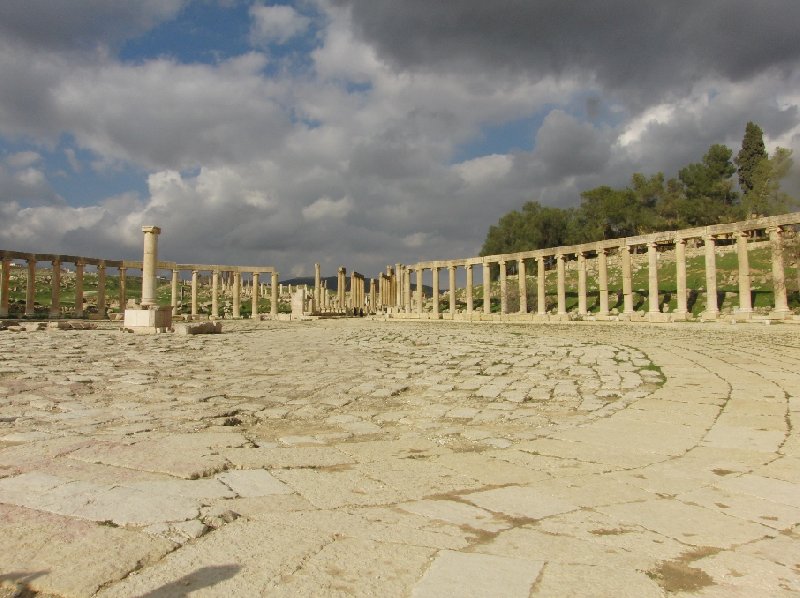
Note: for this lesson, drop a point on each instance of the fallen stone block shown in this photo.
(198, 328)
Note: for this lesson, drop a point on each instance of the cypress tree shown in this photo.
(750, 156)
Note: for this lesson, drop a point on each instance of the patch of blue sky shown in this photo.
(208, 32)
(512, 136)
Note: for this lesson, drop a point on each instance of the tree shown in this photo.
(765, 197)
(710, 197)
(750, 156)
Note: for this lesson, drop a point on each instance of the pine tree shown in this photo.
(750, 156)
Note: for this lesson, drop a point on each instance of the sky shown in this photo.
(362, 132)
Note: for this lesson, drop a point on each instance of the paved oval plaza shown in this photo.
(364, 457)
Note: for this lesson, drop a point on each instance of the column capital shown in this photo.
(151, 229)
(652, 244)
(680, 241)
(101, 265)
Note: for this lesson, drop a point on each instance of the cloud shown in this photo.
(276, 24)
(484, 169)
(326, 208)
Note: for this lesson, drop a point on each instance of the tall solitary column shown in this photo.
(487, 289)
(652, 278)
(4, 286)
(79, 267)
(236, 282)
(435, 292)
(523, 287)
(254, 297)
(55, 290)
(123, 288)
(470, 304)
(602, 280)
(711, 277)
(174, 290)
(541, 305)
(680, 266)
(627, 279)
(273, 303)
(30, 289)
(503, 287)
(420, 271)
(101, 289)
(562, 287)
(582, 284)
(778, 275)
(194, 294)
(452, 282)
(745, 304)
(149, 265)
(215, 293)
(317, 288)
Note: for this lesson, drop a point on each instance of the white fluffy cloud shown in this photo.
(276, 24)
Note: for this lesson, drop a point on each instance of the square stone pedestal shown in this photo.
(149, 320)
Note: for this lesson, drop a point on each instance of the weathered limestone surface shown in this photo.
(359, 457)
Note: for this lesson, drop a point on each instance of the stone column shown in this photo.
(487, 289)
(101, 289)
(194, 294)
(652, 278)
(254, 297)
(627, 279)
(236, 283)
(435, 292)
(602, 280)
(373, 295)
(123, 288)
(562, 285)
(745, 303)
(711, 277)
(149, 265)
(30, 289)
(273, 305)
(407, 283)
(680, 265)
(523, 287)
(215, 294)
(341, 286)
(778, 273)
(582, 309)
(317, 287)
(503, 287)
(470, 283)
(55, 290)
(420, 272)
(452, 282)
(398, 288)
(541, 299)
(4, 287)
(174, 290)
(79, 267)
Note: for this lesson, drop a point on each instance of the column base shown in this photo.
(150, 320)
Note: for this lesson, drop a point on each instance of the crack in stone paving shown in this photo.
(372, 457)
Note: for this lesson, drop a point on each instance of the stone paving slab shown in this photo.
(378, 458)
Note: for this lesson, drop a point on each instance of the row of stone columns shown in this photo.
(236, 290)
(601, 254)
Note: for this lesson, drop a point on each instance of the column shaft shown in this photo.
(30, 289)
(55, 290)
(582, 309)
(5, 279)
(562, 286)
(123, 289)
(236, 282)
(420, 272)
(627, 280)
(174, 292)
(470, 284)
(602, 280)
(194, 294)
(712, 308)
(487, 289)
(745, 303)
(149, 265)
(101, 289)
(215, 294)
(79, 267)
(778, 274)
(435, 292)
(652, 279)
(254, 297)
(680, 265)
(273, 303)
(541, 304)
(452, 289)
(523, 287)
(503, 287)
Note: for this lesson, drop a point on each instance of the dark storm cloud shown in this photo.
(641, 48)
(80, 24)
